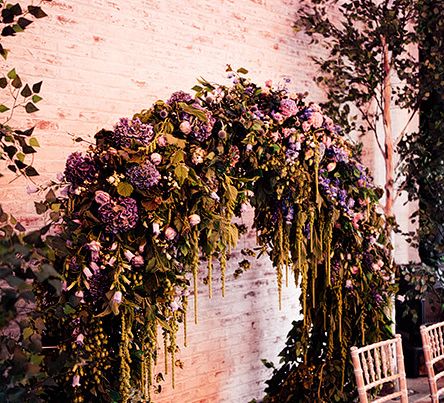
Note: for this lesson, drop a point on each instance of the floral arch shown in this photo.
(156, 196)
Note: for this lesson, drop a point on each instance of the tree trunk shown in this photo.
(388, 135)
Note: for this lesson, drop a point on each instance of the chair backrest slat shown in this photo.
(433, 347)
(379, 363)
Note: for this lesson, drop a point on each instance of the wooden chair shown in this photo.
(433, 347)
(378, 364)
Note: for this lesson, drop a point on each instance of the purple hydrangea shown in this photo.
(143, 177)
(288, 107)
(119, 215)
(131, 131)
(179, 96)
(80, 169)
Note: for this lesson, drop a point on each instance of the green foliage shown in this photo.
(352, 73)
(24, 259)
(159, 193)
(422, 152)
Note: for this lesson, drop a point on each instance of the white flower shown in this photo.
(117, 297)
(156, 228)
(79, 339)
(129, 255)
(30, 189)
(244, 207)
(400, 298)
(75, 381)
(87, 272)
(194, 219)
(214, 196)
(156, 158)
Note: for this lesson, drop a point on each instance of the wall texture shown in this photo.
(104, 59)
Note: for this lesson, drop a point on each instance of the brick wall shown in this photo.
(103, 59)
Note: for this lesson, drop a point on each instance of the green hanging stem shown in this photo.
(184, 318)
(223, 269)
(195, 270)
(165, 348)
(210, 276)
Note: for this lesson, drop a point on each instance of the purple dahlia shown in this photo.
(80, 169)
(143, 176)
(131, 131)
(119, 215)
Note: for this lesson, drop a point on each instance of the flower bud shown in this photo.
(102, 197)
(185, 127)
(194, 219)
(156, 158)
(170, 233)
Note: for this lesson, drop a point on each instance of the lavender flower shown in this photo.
(143, 177)
(127, 132)
(179, 96)
(80, 169)
(119, 215)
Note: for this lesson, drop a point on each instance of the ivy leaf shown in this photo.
(8, 31)
(23, 22)
(12, 74)
(31, 171)
(16, 10)
(181, 172)
(124, 189)
(36, 98)
(3, 52)
(26, 91)
(40, 207)
(3, 108)
(17, 82)
(242, 71)
(33, 142)
(31, 108)
(37, 12)
(36, 87)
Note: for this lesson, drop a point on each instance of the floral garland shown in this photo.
(159, 192)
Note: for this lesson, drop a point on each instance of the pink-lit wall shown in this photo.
(103, 59)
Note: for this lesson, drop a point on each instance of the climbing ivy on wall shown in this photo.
(153, 202)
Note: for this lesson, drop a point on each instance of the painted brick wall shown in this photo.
(103, 59)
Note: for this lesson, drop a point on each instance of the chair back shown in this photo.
(378, 364)
(433, 347)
